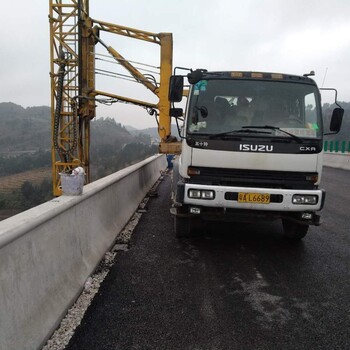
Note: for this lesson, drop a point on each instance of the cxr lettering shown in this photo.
(307, 149)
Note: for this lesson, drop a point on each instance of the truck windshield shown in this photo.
(226, 107)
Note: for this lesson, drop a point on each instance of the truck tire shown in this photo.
(182, 227)
(293, 230)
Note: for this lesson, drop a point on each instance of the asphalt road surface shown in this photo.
(238, 286)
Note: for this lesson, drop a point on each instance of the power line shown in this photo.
(139, 68)
(143, 64)
(121, 76)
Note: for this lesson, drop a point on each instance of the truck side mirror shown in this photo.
(176, 88)
(176, 112)
(336, 120)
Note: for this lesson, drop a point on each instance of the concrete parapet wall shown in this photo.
(48, 252)
(337, 160)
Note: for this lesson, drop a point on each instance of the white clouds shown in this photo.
(318, 42)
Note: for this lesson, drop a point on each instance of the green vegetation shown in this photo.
(24, 162)
(25, 145)
(24, 130)
(34, 195)
(114, 148)
(131, 153)
(26, 196)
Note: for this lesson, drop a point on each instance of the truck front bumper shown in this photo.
(227, 197)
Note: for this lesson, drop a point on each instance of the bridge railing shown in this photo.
(337, 146)
(337, 154)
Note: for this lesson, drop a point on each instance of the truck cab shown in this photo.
(252, 147)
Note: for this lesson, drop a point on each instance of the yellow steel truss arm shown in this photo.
(73, 36)
(166, 53)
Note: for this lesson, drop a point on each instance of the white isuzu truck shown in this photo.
(252, 147)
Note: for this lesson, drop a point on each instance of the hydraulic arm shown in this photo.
(73, 36)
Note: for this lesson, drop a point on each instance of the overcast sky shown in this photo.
(293, 36)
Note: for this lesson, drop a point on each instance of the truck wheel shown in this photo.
(293, 230)
(182, 227)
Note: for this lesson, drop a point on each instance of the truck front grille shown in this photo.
(253, 178)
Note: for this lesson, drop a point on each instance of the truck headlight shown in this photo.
(305, 199)
(208, 194)
(194, 193)
(201, 194)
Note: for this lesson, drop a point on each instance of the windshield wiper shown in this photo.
(245, 130)
(296, 138)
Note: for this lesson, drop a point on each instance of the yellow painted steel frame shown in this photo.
(72, 75)
(73, 35)
(165, 41)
